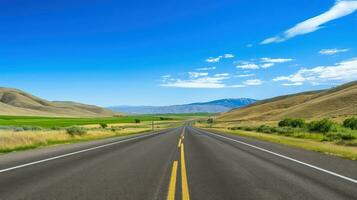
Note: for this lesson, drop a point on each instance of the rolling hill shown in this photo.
(339, 101)
(17, 102)
(217, 106)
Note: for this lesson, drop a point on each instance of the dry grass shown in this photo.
(15, 141)
(333, 103)
(349, 152)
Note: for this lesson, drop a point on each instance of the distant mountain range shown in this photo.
(217, 106)
(17, 102)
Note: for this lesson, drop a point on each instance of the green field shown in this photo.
(48, 122)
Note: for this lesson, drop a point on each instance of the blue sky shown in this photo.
(172, 52)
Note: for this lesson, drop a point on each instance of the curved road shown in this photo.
(180, 163)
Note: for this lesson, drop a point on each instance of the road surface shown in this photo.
(180, 163)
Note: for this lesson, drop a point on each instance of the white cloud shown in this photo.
(166, 76)
(222, 75)
(343, 71)
(217, 59)
(228, 55)
(238, 86)
(276, 60)
(291, 84)
(253, 82)
(267, 65)
(248, 66)
(340, 9)
(197, 74)
(206, 68)
(332, 51)
(202, 82)
(249, 45)
(265, 62)
(214, 60)
(244, 75)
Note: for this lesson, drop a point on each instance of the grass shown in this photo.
(11, 141)
(310, 141)
(349, 152)
(48, 122)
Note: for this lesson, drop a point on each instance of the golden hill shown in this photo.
(17, 102)
(337, 102)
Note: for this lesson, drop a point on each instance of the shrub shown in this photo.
(75, 130)
(264, 129)
(31, 128)
(292, 123)
(350, 123)
(210, 121)
(339, 136)
(103, 125)
(322, 126)
(137, 121)
(56, 128)
(18, 129)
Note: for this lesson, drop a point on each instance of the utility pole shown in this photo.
(152, 125)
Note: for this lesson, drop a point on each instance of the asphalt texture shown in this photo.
(209, 165)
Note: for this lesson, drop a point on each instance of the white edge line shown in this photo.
(73, 153)
(287, 158)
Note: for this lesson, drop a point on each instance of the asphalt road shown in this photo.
(181, 163)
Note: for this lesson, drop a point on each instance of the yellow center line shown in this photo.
(185, 191)
(172, 186)
(179, 144)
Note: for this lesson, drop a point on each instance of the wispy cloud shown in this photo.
(276, 60)
(343, 71)
(206, 69)
(340, 9)
(244, 75)
(197, 74)
(238, 86)
(202, 82)
(205, 80)
(222, 75)
(253, 82)
(247, 65)
(264, 63)
(332, 51)
(217, 59)
(228, 55)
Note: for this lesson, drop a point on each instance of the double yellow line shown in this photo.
(184, 182)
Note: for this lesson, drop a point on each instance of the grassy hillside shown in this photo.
(16, 102)
(338, 102)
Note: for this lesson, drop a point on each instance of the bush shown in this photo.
(322, 126)
(292, 123)
(137, 121)
(31, 128)
(264, 129)
(56, 128)
(339, 136)
(75, 130)
(350, 123)
(103, 125)
(210, 121)
(18, 129)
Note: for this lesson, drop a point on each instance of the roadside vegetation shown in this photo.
(324, 135)
(33, 132)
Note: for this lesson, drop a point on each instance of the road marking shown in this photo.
(184, 184)
(71, 154)
(179, 144)
(287, 158)
(172, 186)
